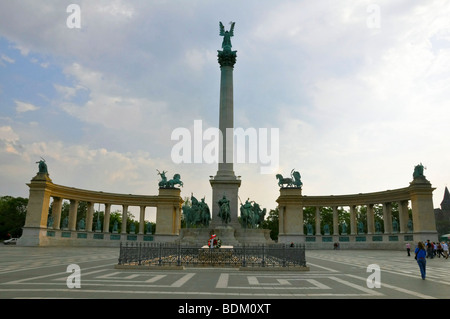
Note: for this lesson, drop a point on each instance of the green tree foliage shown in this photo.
(271, 222)
(13, 211)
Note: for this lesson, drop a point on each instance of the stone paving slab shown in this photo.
(42, 272)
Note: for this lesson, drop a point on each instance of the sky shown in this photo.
(358, 91)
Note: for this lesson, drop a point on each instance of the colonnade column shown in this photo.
(335, 221)
(370, 220)
(124, 219)
(141, 220)
(106, 218)
(403, 216)
(318, 231)
(73, 214)
(56, 212)
(89, 216)
(352, 220)
(387, 218)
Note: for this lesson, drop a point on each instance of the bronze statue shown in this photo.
(224, 211)
(42, 166)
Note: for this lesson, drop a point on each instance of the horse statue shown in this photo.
(252, 216)
(197, 214)
(293, 181)
(175, 181)
(164, 183)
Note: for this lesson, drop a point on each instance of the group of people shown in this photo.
(428, 250)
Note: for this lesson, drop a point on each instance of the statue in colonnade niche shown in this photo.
(81, 224)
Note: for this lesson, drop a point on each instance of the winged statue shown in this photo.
(226, 44)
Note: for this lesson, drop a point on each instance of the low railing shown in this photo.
(164, 254)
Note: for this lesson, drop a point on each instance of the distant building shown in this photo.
(442, 214)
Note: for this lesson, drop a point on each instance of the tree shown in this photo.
(272, 223)
(13, 211)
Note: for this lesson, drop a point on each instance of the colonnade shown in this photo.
(419, 227)
(38, 230)
(369, 226)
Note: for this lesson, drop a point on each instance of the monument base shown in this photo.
(229, 236)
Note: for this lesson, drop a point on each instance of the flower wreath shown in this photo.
(216, 242)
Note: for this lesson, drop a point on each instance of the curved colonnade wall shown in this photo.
(417, 226)
(420, 226)
(38, 231)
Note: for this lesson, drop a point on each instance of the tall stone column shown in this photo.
(225, 183)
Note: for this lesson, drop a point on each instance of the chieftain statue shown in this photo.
(197, 214)
(224, 210)
(252, 216)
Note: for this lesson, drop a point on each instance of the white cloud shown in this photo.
(22, 107)
(7, 59)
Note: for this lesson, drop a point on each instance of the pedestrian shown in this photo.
(440, 250)
(408, 249)
(420, 256)
(445, 249)
(430, 249)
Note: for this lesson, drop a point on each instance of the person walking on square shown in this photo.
(445, 249)
(408, 249)
(421, 258)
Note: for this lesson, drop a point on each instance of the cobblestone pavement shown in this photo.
(48, 272)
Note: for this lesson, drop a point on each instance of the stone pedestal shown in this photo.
(421, 194)
(168, 214)
(290, 208)
(228, 188)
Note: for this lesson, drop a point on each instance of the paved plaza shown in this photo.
(44, 272)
